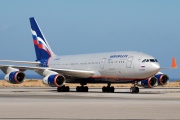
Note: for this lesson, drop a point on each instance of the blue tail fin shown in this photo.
(42, 48)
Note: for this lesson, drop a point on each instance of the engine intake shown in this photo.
(148, 83)
(56, 80)
(162, 79)
(16, 77)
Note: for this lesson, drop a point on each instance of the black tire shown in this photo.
(81, 89)
(136, 90)
(58, 89)
(85, 89)
(112, 89)
(77, 89)
(108, 89)
(132, 89)
(67, 89)
(104, 89)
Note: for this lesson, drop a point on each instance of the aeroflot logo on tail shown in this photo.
(118, 56)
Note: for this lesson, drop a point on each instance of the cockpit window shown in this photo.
(152, 60)
(144, 60)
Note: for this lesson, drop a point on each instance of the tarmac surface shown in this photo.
(46, 103)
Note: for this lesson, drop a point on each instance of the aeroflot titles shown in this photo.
(118, 56)
(112, 56)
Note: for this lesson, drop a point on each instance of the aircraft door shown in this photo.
(103, 63)
(129, 62)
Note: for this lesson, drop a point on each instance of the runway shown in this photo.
(46, 103)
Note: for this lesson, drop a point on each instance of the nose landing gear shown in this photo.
(134, 89)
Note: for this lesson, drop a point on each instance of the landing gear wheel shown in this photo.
(67, 89)
(77, 89)
(63, 89)
(58, 89)
(108, 89)
(81, 89)
(112, 89)
(104, 89)
(85, 89)
(134, 90)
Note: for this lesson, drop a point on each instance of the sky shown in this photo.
(93, 26)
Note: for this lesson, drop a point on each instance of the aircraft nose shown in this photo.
(155, 67)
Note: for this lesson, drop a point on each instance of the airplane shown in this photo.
(121, 67)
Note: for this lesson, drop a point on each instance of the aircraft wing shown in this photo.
(21, 62)
(67, 72)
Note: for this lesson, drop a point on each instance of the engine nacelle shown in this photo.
(15, 77)
(162, 79)
(55, 80)
(148, 83)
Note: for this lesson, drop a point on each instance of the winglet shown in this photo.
(174, 65)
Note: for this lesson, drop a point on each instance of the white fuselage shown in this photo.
(125, 65)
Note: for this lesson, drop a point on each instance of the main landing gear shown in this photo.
(134, 89)
(63, 89)
(82, 88)
(108, 88)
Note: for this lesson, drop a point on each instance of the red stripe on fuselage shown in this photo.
(116, 78)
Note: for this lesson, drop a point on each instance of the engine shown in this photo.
(148, 83)
(162, 79)
(55, 80)
(15, 77)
